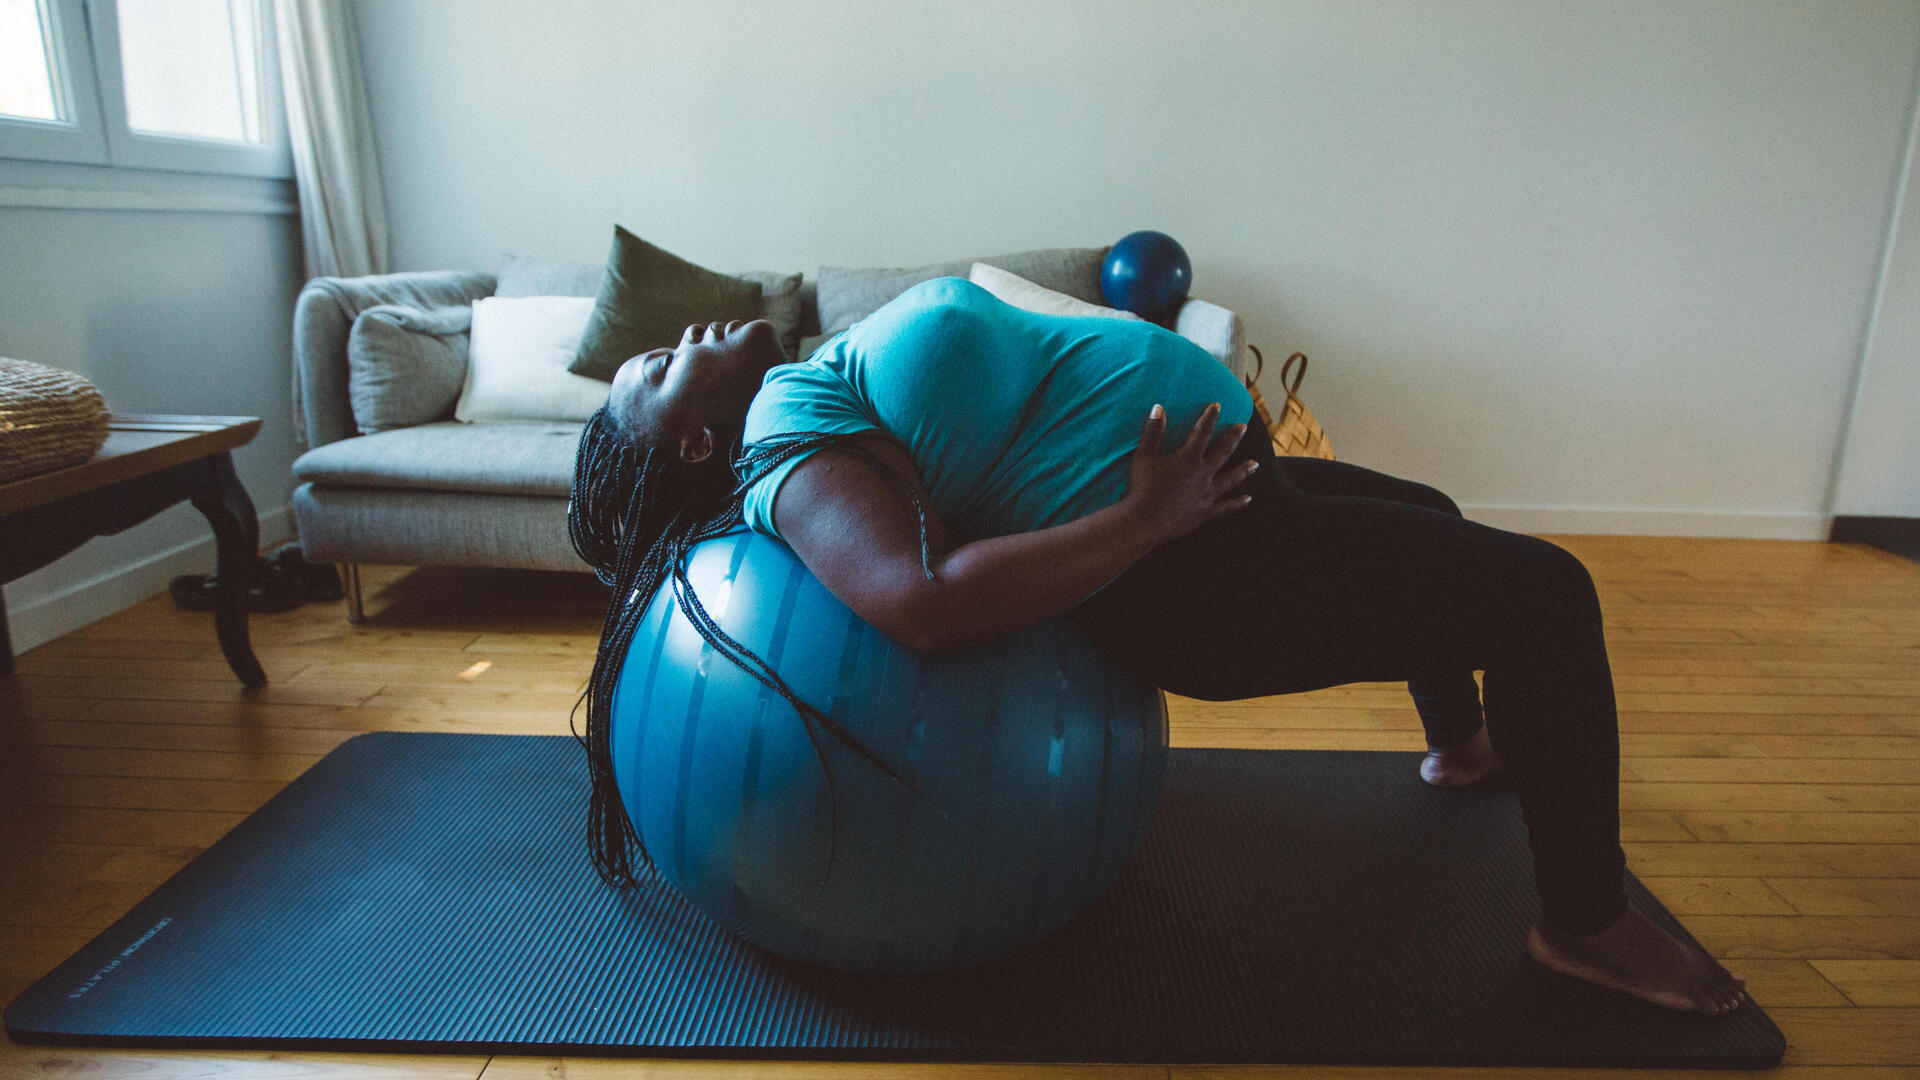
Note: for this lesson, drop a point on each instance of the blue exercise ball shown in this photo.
(1147, 273)
(1036, 758)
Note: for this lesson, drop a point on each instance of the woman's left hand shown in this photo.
(1172, 494)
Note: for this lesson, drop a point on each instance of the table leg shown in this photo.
(236, 537)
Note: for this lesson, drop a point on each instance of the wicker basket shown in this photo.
(49, 419)
(1296, 432)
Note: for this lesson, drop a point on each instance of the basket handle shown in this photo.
(1260, 365)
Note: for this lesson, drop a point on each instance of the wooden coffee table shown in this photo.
(148, 464)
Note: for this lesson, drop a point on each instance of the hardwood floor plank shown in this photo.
(1894, 656)
(1774, 860)
(1856, 1036)
(1763, 770)
(205, 669)
(135, 793)
(1809, 937)
(1764, 704)
(247, 715)
(1800, 827)
(1873, 982)
(91, 825)
(182, 764)
(214, 738)
(41, 1062)
(1786, 983)
(1785, 797)
(1717, 896)
(1849, 896)
(212, 690)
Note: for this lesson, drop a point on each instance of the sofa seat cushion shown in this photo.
(494, 459)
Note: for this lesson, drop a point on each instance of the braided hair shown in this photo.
(633, 517)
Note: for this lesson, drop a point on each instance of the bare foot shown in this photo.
(1637, 957)
(1462, 764)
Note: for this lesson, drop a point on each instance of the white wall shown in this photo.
(1585, 266)
(166, 310)
(1879, 467)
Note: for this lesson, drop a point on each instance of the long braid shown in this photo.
(634, 538)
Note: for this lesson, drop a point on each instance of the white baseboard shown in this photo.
(46, 618)
(1577, 520)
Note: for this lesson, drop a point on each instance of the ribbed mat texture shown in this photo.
(431, 892)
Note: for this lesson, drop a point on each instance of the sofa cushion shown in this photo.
(848, 295)
(782, 296)
(811, 344)
(406, 365)
(433, 528)
(1021, 293)
(780, 305)
(648, 297)
(517, 361)
(499, 459)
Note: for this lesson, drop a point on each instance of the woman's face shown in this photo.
(688, 399)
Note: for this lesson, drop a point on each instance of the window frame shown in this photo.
(84, 38)
(81, 137)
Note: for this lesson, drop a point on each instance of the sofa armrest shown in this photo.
(322, 412)
(1218, 331)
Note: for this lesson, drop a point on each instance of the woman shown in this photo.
(955, 469)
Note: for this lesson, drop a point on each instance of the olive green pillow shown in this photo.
(647, 298)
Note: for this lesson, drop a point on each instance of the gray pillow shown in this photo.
(779, 293)
(405, 365)
(849, 295)
(531, 277)
(810, 345)
(780, 305)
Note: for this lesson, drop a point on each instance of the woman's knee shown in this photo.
(1562, 589)
(1433, 498)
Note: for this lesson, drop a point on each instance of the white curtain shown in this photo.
(343, 215)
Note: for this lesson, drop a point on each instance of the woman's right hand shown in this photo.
(1176, 492)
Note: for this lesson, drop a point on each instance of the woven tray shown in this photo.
(49, 419)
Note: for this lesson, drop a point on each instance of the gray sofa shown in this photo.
(445, 493)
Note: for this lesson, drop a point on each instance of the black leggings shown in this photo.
(1337, 574)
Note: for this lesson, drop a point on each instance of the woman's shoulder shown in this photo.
(800, 395)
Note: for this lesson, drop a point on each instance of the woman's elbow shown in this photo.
(926, 626)
(926, 633)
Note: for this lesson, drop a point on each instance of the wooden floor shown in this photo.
(1769, 699)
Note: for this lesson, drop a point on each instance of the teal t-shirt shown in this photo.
(1015, 420)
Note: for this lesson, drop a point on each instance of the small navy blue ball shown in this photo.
(1147, 273)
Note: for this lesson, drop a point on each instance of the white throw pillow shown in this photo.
(1021, 293)
(517, 357)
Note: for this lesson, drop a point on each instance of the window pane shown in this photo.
(26, 79)
(191, 67)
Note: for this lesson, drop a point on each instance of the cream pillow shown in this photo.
(517, 357)
(1021, 293)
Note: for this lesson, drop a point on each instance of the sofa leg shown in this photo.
(351, 572)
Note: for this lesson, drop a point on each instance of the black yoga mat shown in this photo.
(431, 892)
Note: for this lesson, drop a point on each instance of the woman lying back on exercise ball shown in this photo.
(954, 469)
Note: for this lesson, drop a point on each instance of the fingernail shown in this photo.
(1252, 465)
(1157, 412)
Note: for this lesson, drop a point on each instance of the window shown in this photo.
(26, 75)
(157, 84)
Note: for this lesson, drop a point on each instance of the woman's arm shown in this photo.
(858, 534)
